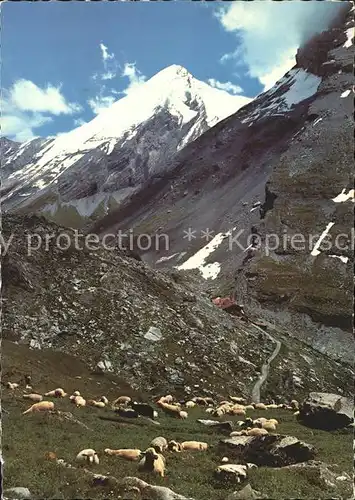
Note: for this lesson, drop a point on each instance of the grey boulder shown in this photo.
(272, 450)
(326, 411)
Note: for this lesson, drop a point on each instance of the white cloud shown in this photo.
(109, 75)
(25, 107)
(100, 103)
(105, 53)
(269, 33)
(227, 86)
(79, 122)
(109, 63)
(134, 76)
(20, 127)
(112, 69)
(277, 72)
(27, 96)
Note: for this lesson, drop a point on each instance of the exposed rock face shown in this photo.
(310, 293)
(271, 450)
(101, 306)
(271, 173)
(14, 157)
(327, 411)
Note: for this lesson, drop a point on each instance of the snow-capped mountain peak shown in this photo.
(144, 128)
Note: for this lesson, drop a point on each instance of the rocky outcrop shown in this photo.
(231, 473)
(17, 493)
(272, 450)
(246, 493)
(128, 485)
(309, 292)
(327, 411)
(325, 475)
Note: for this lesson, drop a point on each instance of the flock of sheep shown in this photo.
(152, 459)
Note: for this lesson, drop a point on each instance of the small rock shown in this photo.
(231, 473)
(17, 493)
(35, 344)
(247, 493)
(105, 365)
(154, 334)
(222, 426)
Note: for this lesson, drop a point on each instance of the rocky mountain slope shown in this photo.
(281, 167)
(93, 168)
(154, 329)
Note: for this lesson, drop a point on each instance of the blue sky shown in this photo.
(62, 62)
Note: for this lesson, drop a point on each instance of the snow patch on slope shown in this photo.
(197, 261)
(350, 35)
(345, 93)
(341, 257)
(304, 86)
(300, 85)
(345, 196)
(315, 250)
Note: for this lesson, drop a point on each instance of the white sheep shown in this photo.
(295, 405)
(88, 455)
(193, 446)
(36, 398)
(170, 409)
(187, 446)
(260, 406)
(256, 431)
(272, 406)
(237, 399)
(152, 462)
(56, 393)
(79, 401)
(12, 385)
(166, 399)
(96, 404)
(126, 453)
(160, 444)
(41, 406)
(269, 426)
(122, 400)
